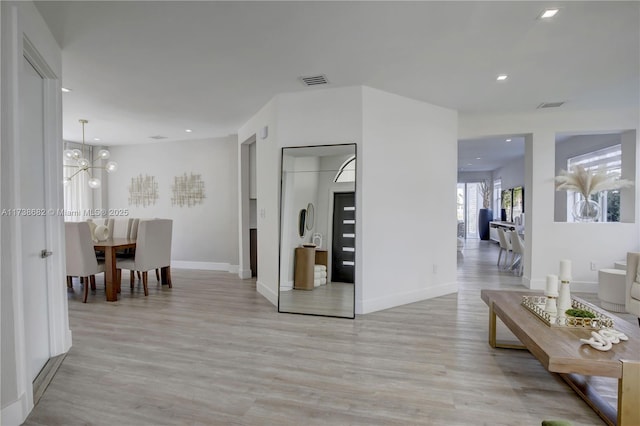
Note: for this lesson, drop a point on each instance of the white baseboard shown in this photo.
(204, 266)
(267, 293)
(15, 413)
(286, 286)
(399, 299)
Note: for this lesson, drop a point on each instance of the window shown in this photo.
(347, 172)
(497, 197)
(607, 160)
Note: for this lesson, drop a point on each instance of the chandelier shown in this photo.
(85, 165)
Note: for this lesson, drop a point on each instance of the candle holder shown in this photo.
(550, 306)
(564, 299)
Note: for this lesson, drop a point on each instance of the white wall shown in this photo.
(407, 167)
(20, 21)
(511, 174)
(204, 235)
(547, 241)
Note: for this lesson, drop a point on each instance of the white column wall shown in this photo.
(406, 176)
(408, 192)
(547, 242)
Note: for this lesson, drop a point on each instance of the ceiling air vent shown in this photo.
(314, 80)
(158, 137)
(550, 105)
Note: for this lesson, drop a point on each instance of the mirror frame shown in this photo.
(310, 218)
(355, 191)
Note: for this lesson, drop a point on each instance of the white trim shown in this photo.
(204, 266)
(13, 414)
(268, 294)
(288, 286)
(372, 305)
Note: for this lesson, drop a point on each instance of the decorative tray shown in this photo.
(536, 305)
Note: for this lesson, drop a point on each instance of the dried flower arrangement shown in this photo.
(485, 193)
(587, 182)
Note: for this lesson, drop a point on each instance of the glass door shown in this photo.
(468, 203)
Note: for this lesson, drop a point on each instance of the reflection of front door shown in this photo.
(343, 250)
(32, 196)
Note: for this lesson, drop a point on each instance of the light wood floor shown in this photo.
(211, 351)
(332, 299)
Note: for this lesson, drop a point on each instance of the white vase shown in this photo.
(564, 299)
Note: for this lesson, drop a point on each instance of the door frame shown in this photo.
(23, 38)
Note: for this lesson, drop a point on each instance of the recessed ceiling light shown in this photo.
(96, 139)
(188, 130)
(469, 164)
(478, 158)
(508, 140)
(501, 77)
(549, 13)
(65, 90)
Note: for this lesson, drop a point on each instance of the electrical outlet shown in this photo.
(593, 266)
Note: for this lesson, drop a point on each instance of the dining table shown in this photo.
(110, 248)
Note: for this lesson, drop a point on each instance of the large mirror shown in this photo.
(317, 230)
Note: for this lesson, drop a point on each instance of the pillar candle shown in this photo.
(565, 270)
(552, 285)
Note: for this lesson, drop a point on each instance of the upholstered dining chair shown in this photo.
(81, 257)
(505, 246)
(153, 251)
(517, 248)
(632, 286)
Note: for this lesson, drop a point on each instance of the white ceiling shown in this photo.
(482, 155)
(139, 69)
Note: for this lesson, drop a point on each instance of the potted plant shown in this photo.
(485, 214)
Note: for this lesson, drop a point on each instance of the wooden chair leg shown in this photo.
(92, 280)
(69, 282)
(138, 274)
(157, 274)
(144, 283)
(166, 275)
(86, 289)
(132, 278)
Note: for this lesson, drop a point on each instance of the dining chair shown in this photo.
(121, 227)
(505, 246)
(517, 247)
(81, 257)
(153, 251)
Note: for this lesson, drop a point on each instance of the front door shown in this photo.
(32, 221)
(343, 250)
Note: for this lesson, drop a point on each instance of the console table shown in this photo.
(560, 351)
(493, 229)
(305, 259)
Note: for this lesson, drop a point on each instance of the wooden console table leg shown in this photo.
(629, 394)
(492, 333)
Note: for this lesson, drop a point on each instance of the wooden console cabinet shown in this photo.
(305, 259)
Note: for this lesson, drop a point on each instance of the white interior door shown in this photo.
(33, 226)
